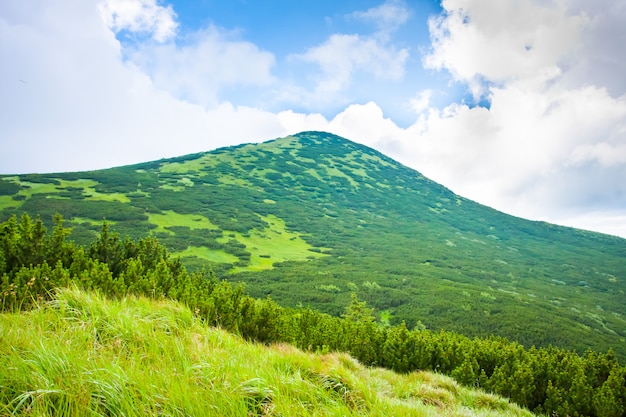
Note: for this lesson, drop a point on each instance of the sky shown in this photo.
(517, 104)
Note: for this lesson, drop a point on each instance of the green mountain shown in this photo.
(311, 218)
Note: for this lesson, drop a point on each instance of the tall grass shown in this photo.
(84, 355)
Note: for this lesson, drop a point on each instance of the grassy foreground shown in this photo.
(82, 354)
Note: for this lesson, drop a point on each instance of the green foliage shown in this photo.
(8, 187)
(411, 247)
(84, 355)
(549, 380)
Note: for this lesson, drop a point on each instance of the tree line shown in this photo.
(554, 381)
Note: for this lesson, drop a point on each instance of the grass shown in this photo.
(7, 201)
(58, 186)
(170, 218)
(92, 222)
(231, 180)
(272, 244)
(211, 255)
(184, 167)
(82, 354)
(266, 246)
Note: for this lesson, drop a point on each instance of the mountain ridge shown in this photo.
(310, 218)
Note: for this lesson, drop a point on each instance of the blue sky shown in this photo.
(517, 104)
(290, 31)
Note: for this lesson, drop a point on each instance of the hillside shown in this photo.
(84, 355)
(311, 218)
(36, 266)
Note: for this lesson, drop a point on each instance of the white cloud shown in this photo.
(502, 41)
(345, 59)
(606, 154)
(204, 65)
(602, 57)
(518, 154)
(421, 101)
(294, 122)
(388, 17)
(554, 137)
(80, 106)
(140, 16)
(343, 55)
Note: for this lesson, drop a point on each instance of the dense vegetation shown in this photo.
(84, 355)
(313, 218)
(35, 263)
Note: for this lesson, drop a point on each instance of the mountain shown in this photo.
(311, 218)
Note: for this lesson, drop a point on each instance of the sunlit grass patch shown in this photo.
(179, 185)
(92, 222)
(31, 188)
(375, 159)
(94, 195)
(336, 172)
(232, 180)
(313, 172)
(171, 218)
(184, 167)
(170, 187)
(7, 201)
(86, 187)
(211, 255)
(272, 244)
(267, 246)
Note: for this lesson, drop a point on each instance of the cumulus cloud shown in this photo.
(606, 154)
(387, 17)
(502, 41)
(206, 63)
(421, 101)
(553, 138)
(139, 16)
(519, 153)
(602, 57)
(341, 55)
(80, 106)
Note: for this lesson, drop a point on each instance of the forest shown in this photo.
(35, 263)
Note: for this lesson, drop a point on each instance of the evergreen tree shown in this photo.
(364, 341)
(108, 248)
(608, 401)
(398, 349)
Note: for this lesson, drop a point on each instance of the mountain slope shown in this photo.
(310, 218)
